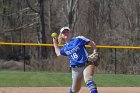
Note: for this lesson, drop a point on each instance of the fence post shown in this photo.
(115, 61)
(24, 57)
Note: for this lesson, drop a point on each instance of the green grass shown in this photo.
(117, 80)
(48, 79)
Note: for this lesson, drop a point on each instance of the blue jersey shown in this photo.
(75, 50)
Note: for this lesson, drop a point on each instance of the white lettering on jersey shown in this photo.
(72, 50)
(74, 56)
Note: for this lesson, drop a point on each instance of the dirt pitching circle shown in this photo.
(66, 90)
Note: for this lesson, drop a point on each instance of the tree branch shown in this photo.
(31, 7)
(22, 27)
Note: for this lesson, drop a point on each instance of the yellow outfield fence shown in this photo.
(114, 58)
(36, 44)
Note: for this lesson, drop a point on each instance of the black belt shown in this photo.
(79, 65)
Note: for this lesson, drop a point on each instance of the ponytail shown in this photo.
(60, 40)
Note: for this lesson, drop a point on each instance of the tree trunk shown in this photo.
(42, 29)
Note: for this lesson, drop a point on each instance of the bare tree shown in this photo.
(71, 13)
(42, 35)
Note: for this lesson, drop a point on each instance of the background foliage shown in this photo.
(107, 22)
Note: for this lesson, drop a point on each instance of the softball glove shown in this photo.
(94, 58)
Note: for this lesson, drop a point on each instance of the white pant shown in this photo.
(77, 75)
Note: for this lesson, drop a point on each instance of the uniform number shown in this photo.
(74, 56)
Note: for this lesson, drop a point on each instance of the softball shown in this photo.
(54, 35)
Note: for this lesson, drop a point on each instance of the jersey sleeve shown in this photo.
(62, 52)
(84, 40)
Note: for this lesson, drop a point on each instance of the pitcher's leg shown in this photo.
(77, 77)
(88, 78)
(92, 86)
(71, 91)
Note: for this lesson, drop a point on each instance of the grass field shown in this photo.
(48, 79)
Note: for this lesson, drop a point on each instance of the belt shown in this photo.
(79, 65)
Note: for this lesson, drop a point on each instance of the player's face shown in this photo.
(66, 35)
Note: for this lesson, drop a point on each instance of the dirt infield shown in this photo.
(66, 90)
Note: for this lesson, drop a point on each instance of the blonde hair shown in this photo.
(60, 39)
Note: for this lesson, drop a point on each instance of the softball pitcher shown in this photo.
(74, 49)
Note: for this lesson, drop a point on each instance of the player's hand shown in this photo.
(55, 37)
(55, 40)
